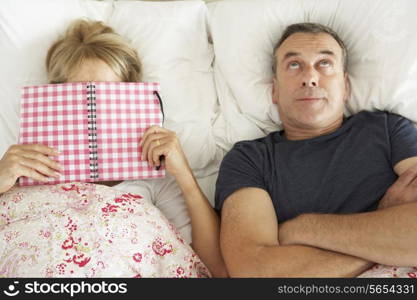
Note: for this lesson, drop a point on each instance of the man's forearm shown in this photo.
(386, 236)
(300, 261)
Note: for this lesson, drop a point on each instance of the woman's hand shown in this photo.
(158, 141)
(27, 160)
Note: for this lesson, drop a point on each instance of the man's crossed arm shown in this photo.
(315, 245)
(386, 236)
(251, 248)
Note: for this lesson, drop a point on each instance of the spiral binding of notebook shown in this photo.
(92, 130)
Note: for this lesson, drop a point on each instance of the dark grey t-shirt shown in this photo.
(347, 171)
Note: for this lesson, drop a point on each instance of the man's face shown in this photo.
(310, 86)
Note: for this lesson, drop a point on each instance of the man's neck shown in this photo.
(295, 133)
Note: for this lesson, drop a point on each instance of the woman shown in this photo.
(92, 51)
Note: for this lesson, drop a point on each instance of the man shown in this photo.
(320, 198)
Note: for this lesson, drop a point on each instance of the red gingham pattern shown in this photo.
(56, 115)
(124, 112)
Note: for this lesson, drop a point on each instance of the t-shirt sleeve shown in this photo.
(240, 168)
(403, 138)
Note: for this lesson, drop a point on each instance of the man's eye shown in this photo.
(293, 65)
(324, 63)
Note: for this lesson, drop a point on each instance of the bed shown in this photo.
(216, 87)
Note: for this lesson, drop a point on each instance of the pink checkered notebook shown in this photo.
(96, 126)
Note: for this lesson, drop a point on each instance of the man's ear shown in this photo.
(347, 87)
(274, 90)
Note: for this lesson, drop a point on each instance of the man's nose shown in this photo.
(310, 78)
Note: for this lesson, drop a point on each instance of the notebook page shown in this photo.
(124, 111)
(55, 115)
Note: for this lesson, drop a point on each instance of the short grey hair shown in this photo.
(313, 28)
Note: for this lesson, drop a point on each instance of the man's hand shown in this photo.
(157, 142)
(249, 243)
(27, 160)
(402, 191)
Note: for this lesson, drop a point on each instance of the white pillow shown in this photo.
(381, 41)
(171, 39)
(27, 30)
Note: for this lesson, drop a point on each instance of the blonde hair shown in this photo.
(85, 40)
